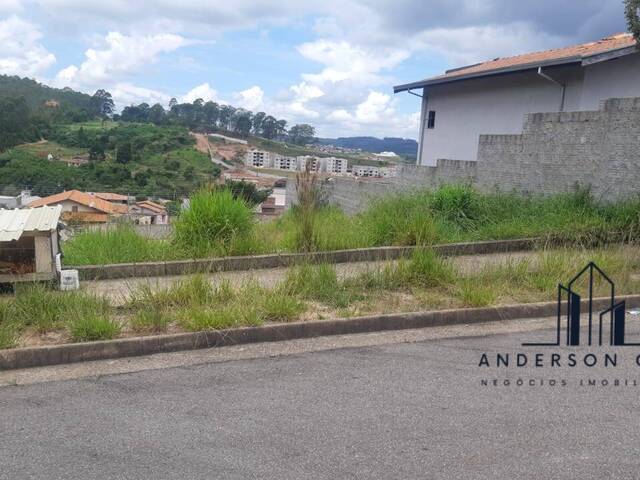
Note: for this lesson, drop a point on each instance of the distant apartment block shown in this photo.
(336, 165)
(365, 171)
(285, 163)
(258, 159)
(314, 162)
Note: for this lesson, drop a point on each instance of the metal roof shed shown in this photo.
(29, 244)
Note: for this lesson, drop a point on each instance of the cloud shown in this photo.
(203, 91)
(127, 94)
(10, 6)
(120, 56)
(466, 45)
(251, 98)
(21, 52)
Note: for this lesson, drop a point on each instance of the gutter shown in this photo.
(553, 80)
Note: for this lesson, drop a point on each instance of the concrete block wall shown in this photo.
(554, 153)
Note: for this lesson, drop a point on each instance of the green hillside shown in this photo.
(139, 159)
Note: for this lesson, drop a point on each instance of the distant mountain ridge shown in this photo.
(401, 146)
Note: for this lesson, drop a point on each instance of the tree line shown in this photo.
(212, 117)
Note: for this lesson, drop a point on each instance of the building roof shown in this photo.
(154, 207)
(13, 223)
(585, 54)
(82, 199)
(111, 197)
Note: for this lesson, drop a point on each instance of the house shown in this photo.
(76, 161)
(493, 97)
(149, 213)
(80, 207)
(112, 197)
(29, 244)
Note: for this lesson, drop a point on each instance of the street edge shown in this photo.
(138, 346)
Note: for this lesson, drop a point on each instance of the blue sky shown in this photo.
(331, 63)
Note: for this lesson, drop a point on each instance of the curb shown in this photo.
(224, 264)
(136, 346)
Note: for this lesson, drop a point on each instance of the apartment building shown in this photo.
(285, 163)
(365, 171)
(259, 159)
(335, 165)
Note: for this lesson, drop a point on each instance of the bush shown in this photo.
(213, 220)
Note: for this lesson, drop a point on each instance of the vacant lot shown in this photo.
(37, 315)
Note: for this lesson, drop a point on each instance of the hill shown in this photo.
(39, 96)
(140, 159)
(401, 146)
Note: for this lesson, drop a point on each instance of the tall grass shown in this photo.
(218, 225)
(213, 221)
(120, 245)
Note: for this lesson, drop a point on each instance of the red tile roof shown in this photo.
(154, 207)
(111, 197)
(575, 53)
(82, 199)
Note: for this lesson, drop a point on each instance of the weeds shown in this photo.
(213, 221)
(93, 327)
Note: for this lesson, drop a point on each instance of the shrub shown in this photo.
(213, 220)
(88, 328)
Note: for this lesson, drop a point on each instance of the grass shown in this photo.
(92, 328)
(423, 281)
(44, 309)
(120, 245)
(217, 225)
(212, 222)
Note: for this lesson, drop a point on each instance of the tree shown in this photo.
(123, 152)
(258, 119)
(103, 103)
(302, 133)
(157, 114)
(241, 122)
(269, 127)
(172, 103)
(632, 12)
(281, 127)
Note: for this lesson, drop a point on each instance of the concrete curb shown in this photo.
(129, 347)
(223, 264)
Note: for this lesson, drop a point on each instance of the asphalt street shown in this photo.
(393, 411)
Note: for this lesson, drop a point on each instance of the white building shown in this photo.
(258, 158)
(335, 165)
(493, 97)
(365, 171)
(304, 159)
(285, 163)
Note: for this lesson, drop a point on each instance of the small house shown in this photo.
(149, 213)
(29, 244)
(80, 207)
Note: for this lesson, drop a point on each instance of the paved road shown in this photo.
(393, 411)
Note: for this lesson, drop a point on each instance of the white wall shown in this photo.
(598, 84)
(494, 105)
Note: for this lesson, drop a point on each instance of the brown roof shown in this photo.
(576, 53)
(111, 197)
(154, 207)
(82, 199)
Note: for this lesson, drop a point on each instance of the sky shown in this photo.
(330, 63)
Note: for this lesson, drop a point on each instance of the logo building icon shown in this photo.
(614, 314)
